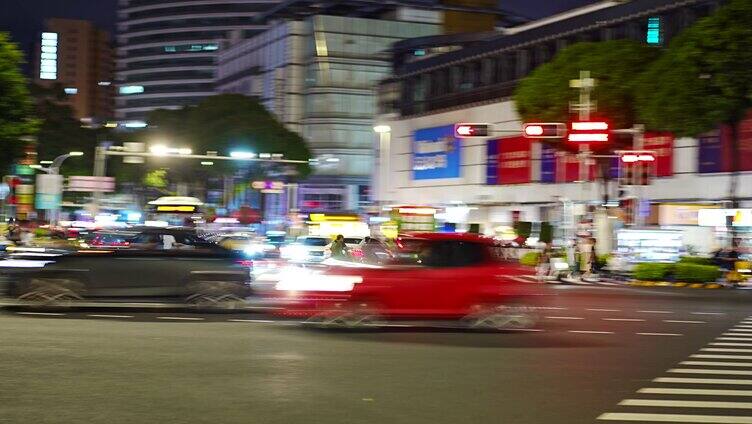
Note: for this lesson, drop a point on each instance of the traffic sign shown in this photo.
(637, 167)
(544, 130)
(465, 130)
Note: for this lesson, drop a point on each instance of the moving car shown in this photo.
(454, 276)
(307, 249)
(160, 264)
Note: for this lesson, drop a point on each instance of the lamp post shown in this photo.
(53, 186)
(383, 168)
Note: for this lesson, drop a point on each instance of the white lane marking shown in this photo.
(182, 318)
(708, 371)
(699, 355)
(564, 317)
(659, 334)
(702, 392)
(551, 308)
(603, 310)
(46, 314)
(686, 403)
(702, 381)
(623, 319)
(744, 325)
(708, 313)
(654, 312)
(674, 418)
(723, 349)
(717, 364)
(531, 330)
(251, 320)
(737, 334)
(738, 339)
(730, 344)
(590, 332)
(109, 316)
(742, 330)
(678, 321)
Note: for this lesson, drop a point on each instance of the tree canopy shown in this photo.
(225, 123)
(15, 103)
(544, 95)
(703, 79)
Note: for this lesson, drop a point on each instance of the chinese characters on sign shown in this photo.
(436, 153)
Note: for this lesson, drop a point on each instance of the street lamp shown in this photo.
(242, 155)
(382, 164)
(162, 150)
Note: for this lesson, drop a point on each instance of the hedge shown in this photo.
(697, 260)
(652, 271)
(693, 273)
(530, 259)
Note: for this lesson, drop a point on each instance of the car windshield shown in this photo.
(353, 240)
(315, 241)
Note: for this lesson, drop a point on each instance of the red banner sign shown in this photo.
(515, 165)
(663, 146)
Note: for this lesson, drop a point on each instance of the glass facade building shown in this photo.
(319, 76)
(167, 49)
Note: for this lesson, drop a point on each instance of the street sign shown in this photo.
(544, 130)
(589, 132)
(91, 184)
(465, 130)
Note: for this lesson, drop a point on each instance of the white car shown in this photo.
(307, 249)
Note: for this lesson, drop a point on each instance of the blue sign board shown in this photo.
(436, 153)
(492, 162)
(710, 154)
(548, 164)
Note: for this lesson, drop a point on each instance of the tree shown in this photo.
(15, 104)
(703, 79)
(545, 95)
(224, 123)
(60, 132)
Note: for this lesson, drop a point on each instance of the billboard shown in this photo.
(663, 146)
(548, 164)
(436, 153)
(514, 160)
(492, 162)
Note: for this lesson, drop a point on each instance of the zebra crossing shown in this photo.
(712, 386)
(537, 279)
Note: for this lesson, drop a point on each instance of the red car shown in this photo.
(453, 276)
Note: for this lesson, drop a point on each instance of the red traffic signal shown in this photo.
(637, 167)
(544, 130)
(589, 132)
(471, 130)
(633, 157)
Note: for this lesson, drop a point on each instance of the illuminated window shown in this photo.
(131, 89)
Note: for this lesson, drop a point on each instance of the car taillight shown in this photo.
(357, 253)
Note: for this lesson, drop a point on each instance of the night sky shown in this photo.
(24, 18)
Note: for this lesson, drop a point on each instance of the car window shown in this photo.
(445, 254)
(352, 240)
(315, 241)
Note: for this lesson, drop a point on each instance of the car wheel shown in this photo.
(356, 315)
(501, 317)
(50, 292)
(215, 296)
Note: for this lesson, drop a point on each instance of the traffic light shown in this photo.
(471, 130)
(637, 167)
(654, 34)
(589, 132)
(544, 130)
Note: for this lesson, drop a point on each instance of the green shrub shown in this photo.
(523, 229)
(530, 259)
(652, 271)
(41, 232)
(697, 260)
(601, 261)
(693, 273)
(546, 233)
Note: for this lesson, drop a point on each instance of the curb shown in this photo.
(678, 284)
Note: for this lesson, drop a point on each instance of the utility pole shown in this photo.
(584, 108)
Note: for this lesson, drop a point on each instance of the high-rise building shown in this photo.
(77, 56)
(167, 50)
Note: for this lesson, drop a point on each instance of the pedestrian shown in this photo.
(339, 248)
(14, 232)
(374, 252)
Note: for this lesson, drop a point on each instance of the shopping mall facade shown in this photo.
(494, 181)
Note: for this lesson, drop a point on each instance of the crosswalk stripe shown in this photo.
(564, 317)
(45, 314)
(181, 318)
(708, 313)
(675, 418)
(709, 356)
(684, 380)
(686, 403)
(741, 329)
(659, 334)
(730, 344)
(708, 371)
(702, 392)
(733, 334)
(677, 321)
(740, 339)
(654, 312)
(723, 349)
(603, 310)
(717, 363)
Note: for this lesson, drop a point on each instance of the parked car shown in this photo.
(159, 264)
(453, 276)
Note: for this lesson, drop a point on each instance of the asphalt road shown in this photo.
(595, 349)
